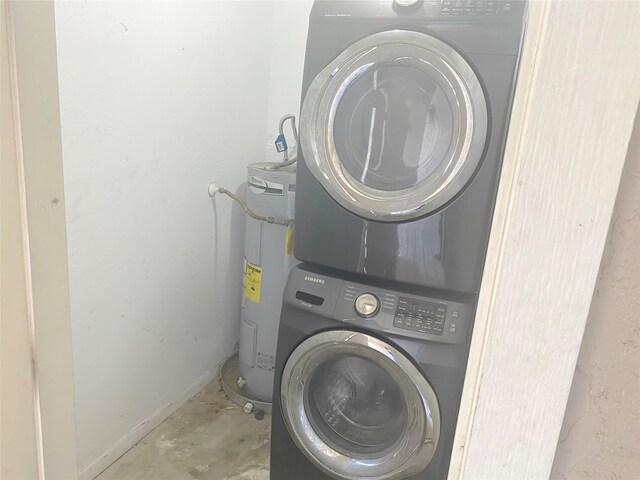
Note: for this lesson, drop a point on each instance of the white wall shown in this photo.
(290, 25)
(157, 99)
(601, 430)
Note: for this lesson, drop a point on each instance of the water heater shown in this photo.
(268, 257)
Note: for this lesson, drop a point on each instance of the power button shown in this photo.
(367, 305)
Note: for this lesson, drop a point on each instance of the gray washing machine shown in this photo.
(403, 124)
(367, 382)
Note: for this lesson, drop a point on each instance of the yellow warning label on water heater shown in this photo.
(289, 241)
(252, 282)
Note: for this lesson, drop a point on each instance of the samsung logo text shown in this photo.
(313, 279)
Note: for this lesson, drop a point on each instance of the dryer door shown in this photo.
(358, 408)
(395, 126)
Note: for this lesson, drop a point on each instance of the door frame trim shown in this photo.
(23, 454)
(34, 82)
(562, 166)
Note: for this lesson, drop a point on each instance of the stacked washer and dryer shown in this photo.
(403, 125)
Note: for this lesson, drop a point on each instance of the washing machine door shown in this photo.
(395, 126)
(358, 408)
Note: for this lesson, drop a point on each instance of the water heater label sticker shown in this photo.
(265, 361)
(252, 282)
(260, 186)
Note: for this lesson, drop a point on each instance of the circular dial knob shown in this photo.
(406, 3)
(367, 305)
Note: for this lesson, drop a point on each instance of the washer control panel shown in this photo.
(409, 10)
(403, 314)
(380, 309)
(477, 7)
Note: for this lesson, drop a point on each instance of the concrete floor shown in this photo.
(208, 438)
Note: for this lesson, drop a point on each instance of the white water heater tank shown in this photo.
(268, 251)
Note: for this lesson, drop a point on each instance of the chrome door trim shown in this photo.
(414, 450)
(457, 80)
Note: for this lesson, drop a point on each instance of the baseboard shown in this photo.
(140, 431)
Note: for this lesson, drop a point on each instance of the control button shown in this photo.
(457, 8)
(367, 305)
(406, 3)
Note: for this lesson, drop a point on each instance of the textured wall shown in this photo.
(157, 100)
(600, 437)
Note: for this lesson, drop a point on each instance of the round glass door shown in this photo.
(395, 126)
(358, 408)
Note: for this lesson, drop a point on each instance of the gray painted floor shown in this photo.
(209, 438)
